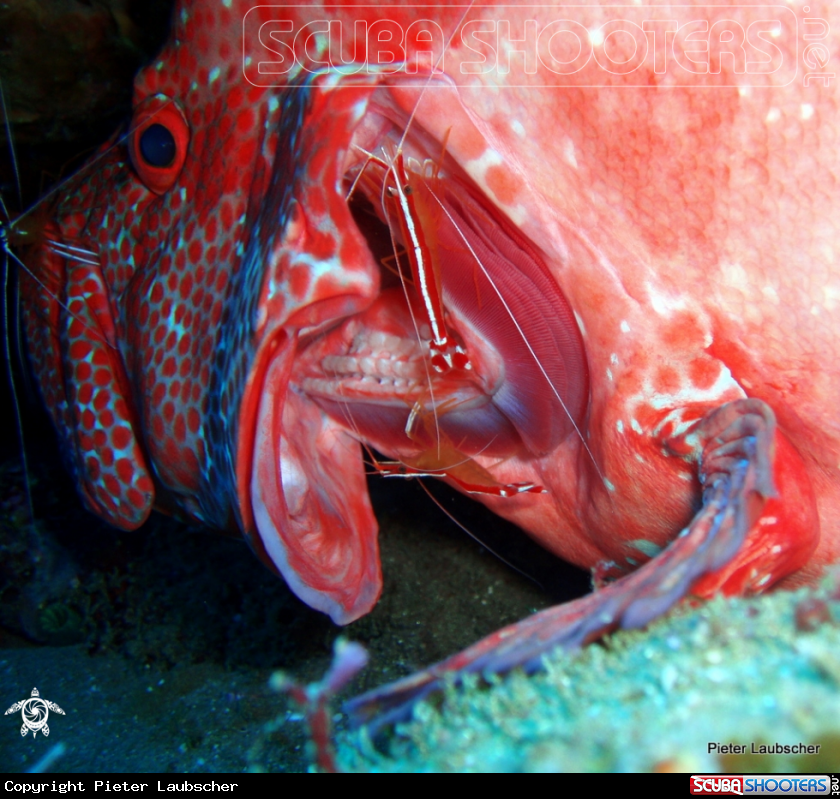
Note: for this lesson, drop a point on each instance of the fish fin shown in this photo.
(86, 388)
(311, 508)
(785, 534)
(743, 460)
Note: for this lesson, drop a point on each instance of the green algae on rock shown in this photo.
(732, 671)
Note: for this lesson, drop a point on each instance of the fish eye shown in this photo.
(157, 146)
(158, 141)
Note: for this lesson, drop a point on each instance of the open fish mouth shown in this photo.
(441, 339)
(525, 385)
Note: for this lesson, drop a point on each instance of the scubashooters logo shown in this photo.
(35, 712)
(557, 46)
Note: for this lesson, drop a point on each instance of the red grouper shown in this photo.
(579, 266)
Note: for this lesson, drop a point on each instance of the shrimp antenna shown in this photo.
(7, 327)
(7, 123)
(437, 64)
(88, 164)
(475, 538)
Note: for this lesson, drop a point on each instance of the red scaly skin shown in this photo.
(667, 253)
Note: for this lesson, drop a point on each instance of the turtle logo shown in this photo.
(35, 712)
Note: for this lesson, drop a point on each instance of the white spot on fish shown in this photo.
(770, 293)
(639, 458)
(625, 328)
(775, 550)
(227, 3)
(580, 324)
(569, 153)
(764, 580)
(359, 110)
(733, 274)
(619, 426)
(664, 304)
(609, 485)
(637, 428)
(517, 127)
(478, 167)
(773, 115)
(609, 374)
(768, 520)
(831, 294)
(806, 111)
(214, 74)
(613, 358)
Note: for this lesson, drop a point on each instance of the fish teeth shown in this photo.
(367, 366)
(377, 341)
(340, 364)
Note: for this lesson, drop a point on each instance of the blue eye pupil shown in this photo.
(157, 146)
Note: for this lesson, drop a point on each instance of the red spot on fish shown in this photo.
(121, 437)
(703, 372)
(186, 287)
(502, 183)
(93, 468)
(245, 121)
(80, 350)
(195, 251)
(135, 498)
(299, 279)
(125, 470)
(667, 380)
(101, 400)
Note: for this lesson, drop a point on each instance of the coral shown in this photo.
(742, 671)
